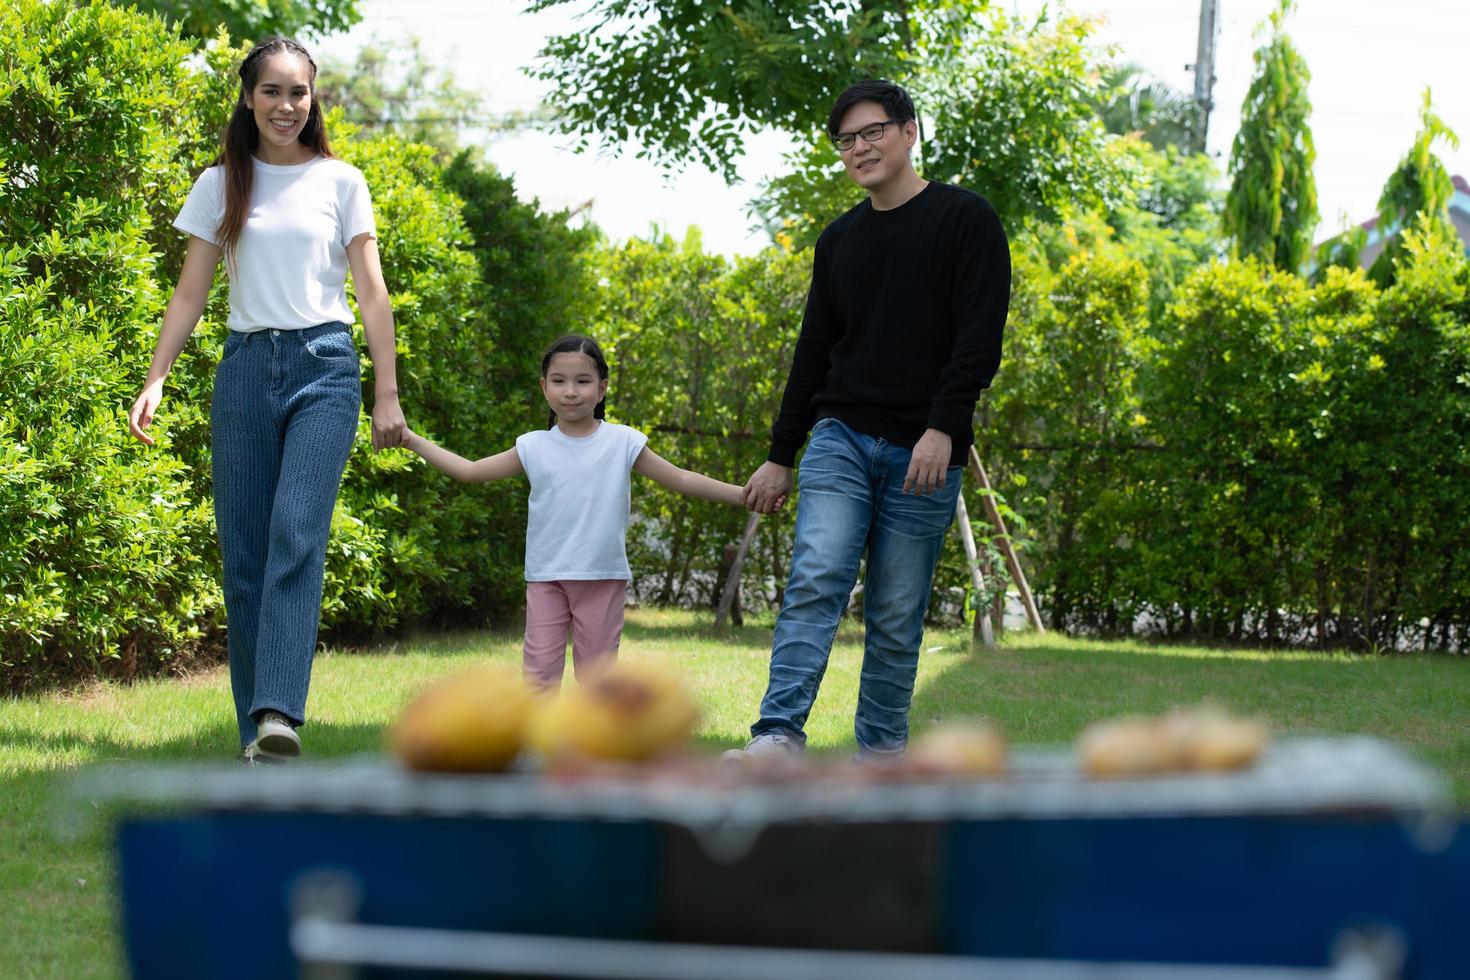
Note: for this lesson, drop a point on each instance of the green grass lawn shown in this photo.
(55, 865)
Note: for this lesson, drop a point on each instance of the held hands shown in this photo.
(929, 463)
(767, 488)
(389, 427)
(140, 416)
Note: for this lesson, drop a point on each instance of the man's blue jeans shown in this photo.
(284, 417)
(851, 501)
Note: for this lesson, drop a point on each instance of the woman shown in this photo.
(289, 219)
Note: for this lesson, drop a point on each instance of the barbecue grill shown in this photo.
(1329, 858)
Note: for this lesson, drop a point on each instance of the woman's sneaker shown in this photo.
(275, 735)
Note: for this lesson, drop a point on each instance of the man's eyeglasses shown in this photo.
(871, 133)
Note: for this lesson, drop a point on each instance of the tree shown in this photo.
(1171, 221)
(689, 82)
(1271, 208)
(689, 86)
(394, 86)
(252, 19)
(1130, 101)
(1012, 114)
(1342, 251)
(1420, 185)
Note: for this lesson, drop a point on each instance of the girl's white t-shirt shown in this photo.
(290, 265)
(580, 497)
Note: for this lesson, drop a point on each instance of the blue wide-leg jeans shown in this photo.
(283, 420)
(851, 501)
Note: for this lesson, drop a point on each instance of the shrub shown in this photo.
(699, 349)
(102, 554)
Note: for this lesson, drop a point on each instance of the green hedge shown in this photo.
(1268, 461)
(103, 554)
(698, 348)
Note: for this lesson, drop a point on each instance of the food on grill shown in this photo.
(1225, 742)
(470, 722)
(1205, 738)
(959, 750)
(628, 714)
(1127, 747)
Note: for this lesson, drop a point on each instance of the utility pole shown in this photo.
(1204, 70)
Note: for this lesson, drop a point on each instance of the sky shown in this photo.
(1370, 62)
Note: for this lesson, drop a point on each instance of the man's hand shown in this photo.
(929, 464)
(767, 488)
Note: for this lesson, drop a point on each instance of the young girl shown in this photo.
(576, 558)
(289, 219)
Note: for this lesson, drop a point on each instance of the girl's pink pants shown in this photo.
(594, 612)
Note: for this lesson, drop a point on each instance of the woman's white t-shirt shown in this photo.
(290, 265)
(580, 497)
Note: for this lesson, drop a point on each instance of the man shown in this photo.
(902, 329)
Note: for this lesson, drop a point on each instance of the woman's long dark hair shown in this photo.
(242, 136)
(577, 344)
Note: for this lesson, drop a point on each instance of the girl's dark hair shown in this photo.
(242, 136)
(894, 100)
(577, 344)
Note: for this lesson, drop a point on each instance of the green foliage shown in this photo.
(1271, 209)
(1343, 461)
(699, 347)
(479, 291)
(395, 87)
(690, 86)
(252, 19)
(1342, 251)
(1171, 223)
(1178, 189)
(102, 544)
(1229, 402)
(1128, 101)
(1012, 116)
(480, 283)
(1063, 421)
(1404, 416)
(688, 81)
(1419, 186)
(796, 205)
(1267, 461)
(382, 561)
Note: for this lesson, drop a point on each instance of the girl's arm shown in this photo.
(687, 482)
(496, 467)
(389, 427)
(179, 320)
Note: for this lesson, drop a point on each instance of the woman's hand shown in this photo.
(143, 410)
(389, 427)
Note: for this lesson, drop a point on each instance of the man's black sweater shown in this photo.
(903, 322)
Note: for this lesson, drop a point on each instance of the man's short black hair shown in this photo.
(894, 100)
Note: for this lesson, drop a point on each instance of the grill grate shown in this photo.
(1297, 776)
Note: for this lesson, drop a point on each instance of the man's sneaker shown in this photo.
(251, 756)
(767, 745)
(275, 735)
